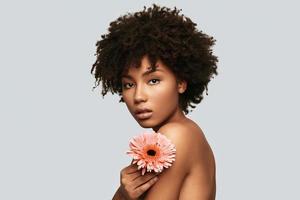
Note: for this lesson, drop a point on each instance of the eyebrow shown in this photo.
(144, 74)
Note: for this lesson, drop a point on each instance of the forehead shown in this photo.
(145, 68)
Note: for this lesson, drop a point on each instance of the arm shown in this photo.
(118, 195)
(170, 180)
(193, 154)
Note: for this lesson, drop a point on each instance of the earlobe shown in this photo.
(182, 86)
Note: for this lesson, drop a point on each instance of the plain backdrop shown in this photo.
(61, 140)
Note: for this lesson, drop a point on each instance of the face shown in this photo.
(157, 91)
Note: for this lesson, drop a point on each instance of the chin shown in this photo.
(146, 123)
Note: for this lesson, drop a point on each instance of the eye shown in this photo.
(125, 84)
(155, 80)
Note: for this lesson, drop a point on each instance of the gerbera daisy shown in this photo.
(152, 151)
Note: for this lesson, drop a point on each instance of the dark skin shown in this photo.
(162, 34)
(172, 40)
(133, 184)
(168, 119)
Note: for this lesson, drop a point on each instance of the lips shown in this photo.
(143, 113)
(142, 110)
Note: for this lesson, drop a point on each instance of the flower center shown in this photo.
(151, 152)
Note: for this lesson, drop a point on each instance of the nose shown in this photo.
(139, 94)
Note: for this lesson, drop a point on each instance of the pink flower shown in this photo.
(152, 151)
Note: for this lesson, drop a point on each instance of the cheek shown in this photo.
(164, 95)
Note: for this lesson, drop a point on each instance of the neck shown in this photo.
(177, 116)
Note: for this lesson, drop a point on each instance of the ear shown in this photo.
(181, 86)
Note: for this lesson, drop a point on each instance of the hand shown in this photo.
(133, 183)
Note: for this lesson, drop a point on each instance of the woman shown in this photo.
(160, 64)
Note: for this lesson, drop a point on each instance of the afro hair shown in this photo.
(160, 33)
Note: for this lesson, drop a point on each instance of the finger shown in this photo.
(132, 168)
(135, 175)
(144, 187)
(145, 177)
(142, 179)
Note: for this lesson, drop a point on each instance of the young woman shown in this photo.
(160, 64)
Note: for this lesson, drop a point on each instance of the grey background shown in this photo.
(61, 140)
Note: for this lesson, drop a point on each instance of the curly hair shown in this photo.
(160, 33)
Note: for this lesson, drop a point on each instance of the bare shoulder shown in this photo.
(199, 183)
(192, 140)
(192, 155)
(188, 134)
(171, 179)
(184, 137)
